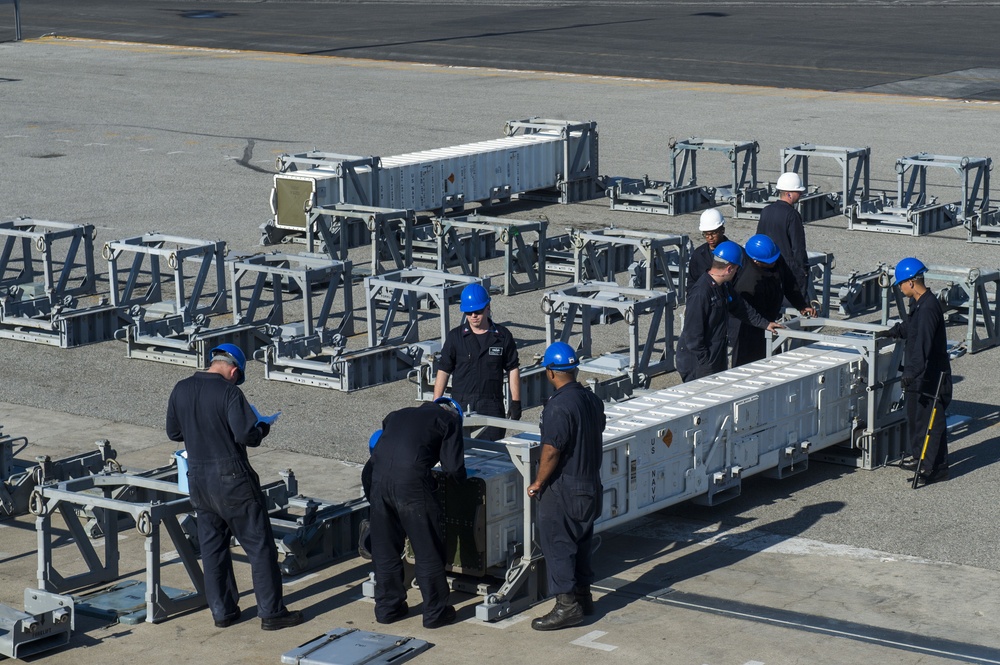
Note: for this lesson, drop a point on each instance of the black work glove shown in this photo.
(514, 412)
(265, 429)
(906, 382)
(882, 334)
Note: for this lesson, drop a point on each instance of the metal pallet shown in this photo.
(49, 286)
(913, 210)
(520, 240)
(661, 264)
(682, 194)
(650, 348)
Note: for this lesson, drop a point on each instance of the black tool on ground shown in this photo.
(930, 426)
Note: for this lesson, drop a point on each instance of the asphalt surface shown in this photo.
(136, 138)
(916, 48)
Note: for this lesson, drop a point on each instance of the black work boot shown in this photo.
(585, 599)
(566, 613)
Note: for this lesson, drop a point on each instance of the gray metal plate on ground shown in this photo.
(349, 646)
(124, 602)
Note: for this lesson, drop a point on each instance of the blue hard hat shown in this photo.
(729, 252)
(234, 354)
(474, 298)
(761, 248)
(449, 402)
(373, 439)
(561, 357)
(908, 269)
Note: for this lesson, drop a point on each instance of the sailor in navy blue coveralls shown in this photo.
(569, 492)
(403, 505)
(925, 360)
(477, 362)
(782, 223)
(210, 414)
(701, 348)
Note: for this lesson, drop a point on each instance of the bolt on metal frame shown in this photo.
(913, 211)
(519, 255)
(49, 286)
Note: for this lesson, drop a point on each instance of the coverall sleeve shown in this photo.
(510, 357)
(921, 339)
(453, 450)
(790, 287)
(243, 421)
(174, 432)
(797, 239)
(446, 361)
(695, 323)
(745, 312)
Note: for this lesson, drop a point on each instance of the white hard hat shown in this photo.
(790, 182)
(711, 219)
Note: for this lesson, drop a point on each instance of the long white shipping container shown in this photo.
(551, 156)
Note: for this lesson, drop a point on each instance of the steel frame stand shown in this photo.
(859, 292)
(334, 230)
(459, 250)
(984, 227)
(662, 263)
(580, 174)
(587, 301)
(971, 295)
(855, 170)
(520, 252)
(312, 533)
(682, 195)
(19, 481)
(561, 258)
(821, 265)
(171, 308)
(405, 290)
(913, 211)
(160, 506)
(178, 281)
(46, 268)
(880, 421)
(308, 350)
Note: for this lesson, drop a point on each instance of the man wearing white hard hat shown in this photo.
(713, 229)
(782, 223)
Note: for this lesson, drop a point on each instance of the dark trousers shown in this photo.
(566, 512)
(400, 510)
(918, 415)
(689, 369)
(749, 343)
(227, 497)
(485, 406)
